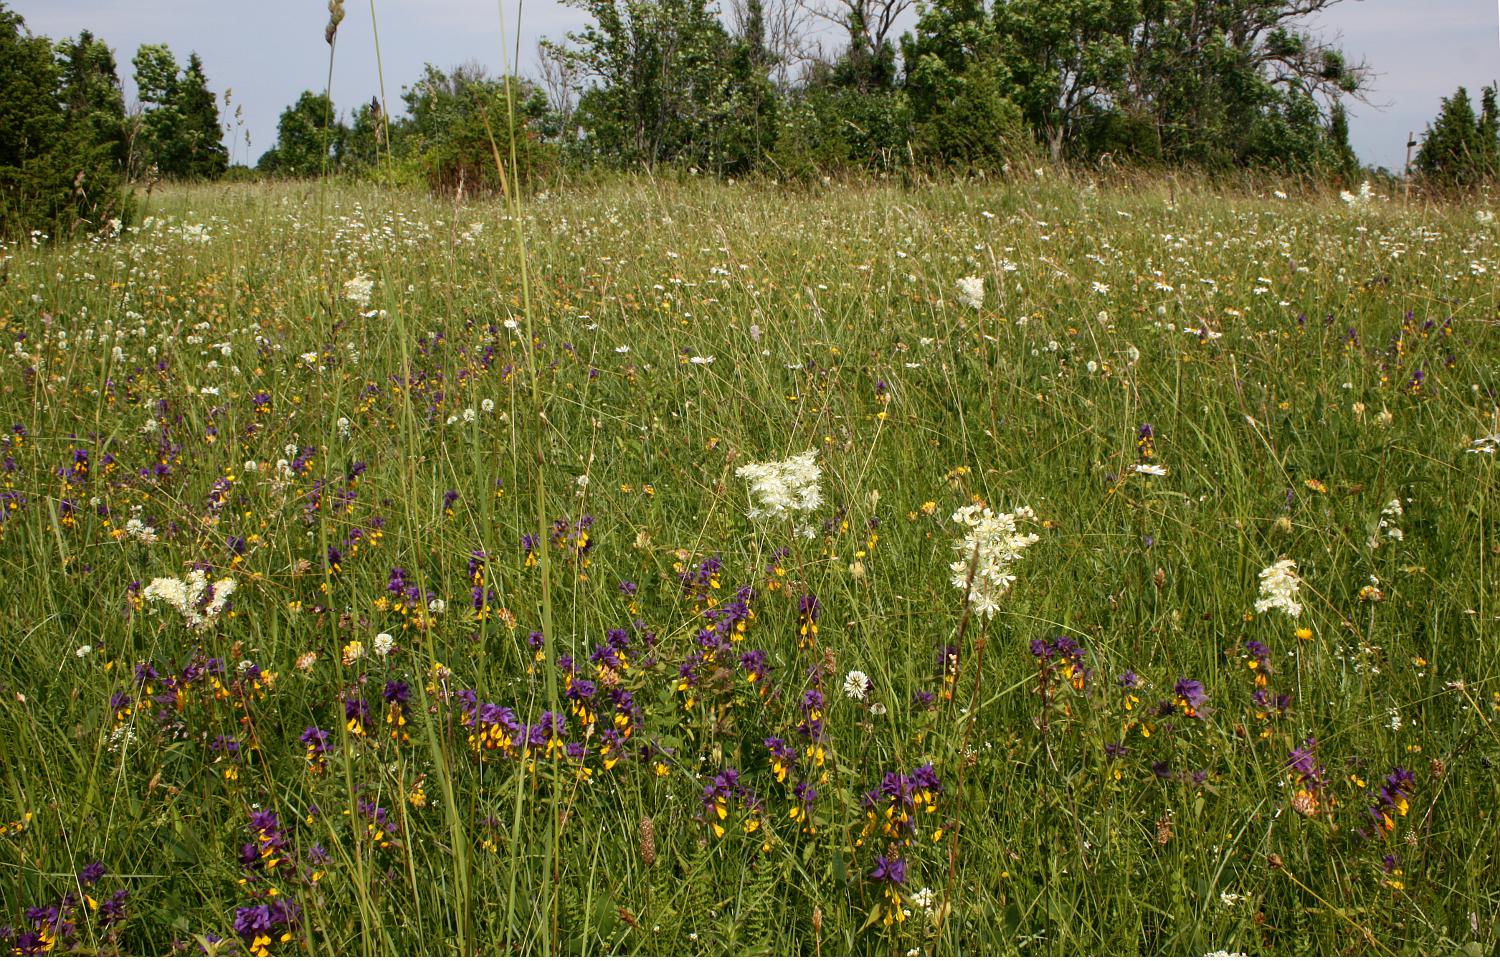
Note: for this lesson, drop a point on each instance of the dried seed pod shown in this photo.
(648, 841)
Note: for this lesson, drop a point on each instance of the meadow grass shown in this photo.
(220, 391)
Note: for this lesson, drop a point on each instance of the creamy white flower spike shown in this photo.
(1279, 585)
(987, 554)
(199, 602)
(971, 292)
(784, 487)
(359, 289)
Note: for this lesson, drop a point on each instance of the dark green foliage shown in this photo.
(456, 122)
(179, 136)
(829, 129)
(61, 133)
(1458, 148)
(671, 86)
(308, 139)
(201, 142)
(961, 92)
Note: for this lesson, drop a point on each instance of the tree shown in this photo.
(960, 89)
(156, 84)
(1459, 149)
(457, 120)
(1208, 73)
(868, 61)
(179, 134)
(1343, 162)
(58, 161)
(666, 82)
(1064, 57)
(200, 138)
(309, 138)
(93, 103)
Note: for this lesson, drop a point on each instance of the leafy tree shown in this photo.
(1064, 57)
(452, 117)
(364, 142)
(179, 136)
(960, 89)
(156, 75)
(1209, 74)
(58, 159)
(666, 82)
(309, 139)
(1459, 149)
(201, 153)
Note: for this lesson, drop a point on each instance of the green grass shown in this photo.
(1283, 439)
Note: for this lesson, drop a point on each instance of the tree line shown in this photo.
(786, 88)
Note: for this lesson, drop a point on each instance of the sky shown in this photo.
(266, 52)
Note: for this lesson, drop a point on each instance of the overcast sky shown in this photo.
(268, 51)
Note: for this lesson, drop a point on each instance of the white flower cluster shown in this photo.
(137, 529)
(1487, 444)
(188, 597)
(856, 685)
(1365, 195)
(1388, 531)
(987, 553)
(359, 289)
(1279, 585)
(971, 291)
(784, 487)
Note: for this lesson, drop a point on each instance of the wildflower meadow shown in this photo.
(679, 566)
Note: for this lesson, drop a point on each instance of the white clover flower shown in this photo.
(359, 289)
(84, 651)
(437, 606)
(971, 291)
(383, 644)
(784, 487)
(487, 405)
(987, 553)
(136, 529)
(1155, 470)
(1279, 585)
(856, 685)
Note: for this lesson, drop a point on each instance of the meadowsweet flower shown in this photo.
(971, 291)
(1279, 585)
(987, 552)
(199, 602)
(857, 685)
(784, 487)
(358, 289)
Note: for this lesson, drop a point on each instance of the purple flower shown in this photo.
(1190, 695)
(889, 870)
